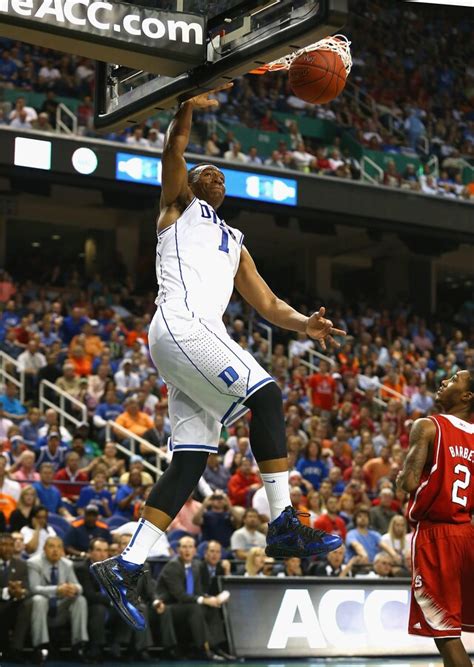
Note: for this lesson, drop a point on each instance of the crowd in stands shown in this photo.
(64, 484)
(409, 97)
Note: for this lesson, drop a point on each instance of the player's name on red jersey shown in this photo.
(462, 452)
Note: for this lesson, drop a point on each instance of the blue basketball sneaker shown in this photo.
(119, 580)
(288, 537)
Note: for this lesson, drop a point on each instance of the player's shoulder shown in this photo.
(424, 426)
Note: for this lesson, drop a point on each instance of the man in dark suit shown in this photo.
(101, 612)
(159, 620)
(180, 587)
(15, 603)
(212, 567)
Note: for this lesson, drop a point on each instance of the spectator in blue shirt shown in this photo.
(48, 494)
(72, 325)
(53, 452)
(109, 409)
(30, 427)
(216, 474)
(365, 543)
(128, 494)
(9, 344)
(10, 318)
(8, 69)
(83, 530)
(96, 494)
(217, 518)
(421, 402)
(311, 467)
(12, 406)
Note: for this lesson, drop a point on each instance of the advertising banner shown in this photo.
(112, 27)
(311, 617)
(115, 162)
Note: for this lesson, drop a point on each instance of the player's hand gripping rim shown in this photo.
(322, 330)
(202, 101)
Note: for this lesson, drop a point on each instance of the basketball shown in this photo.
(317, 76)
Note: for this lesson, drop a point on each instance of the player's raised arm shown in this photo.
(174, 177)
(422, 436)
(257, 293)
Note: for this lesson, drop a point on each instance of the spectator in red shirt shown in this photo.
(71, 477)
(322, 163)
(322, 388)
(331, 522)
(243, 484)
(268, 123)
(341, 452)
(362, 420)
(357, 464)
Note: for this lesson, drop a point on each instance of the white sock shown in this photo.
(144, 537)
(278, 491)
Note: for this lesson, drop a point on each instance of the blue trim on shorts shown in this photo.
(251, 391)
(212, 449)
(188, 358)
(239, 414)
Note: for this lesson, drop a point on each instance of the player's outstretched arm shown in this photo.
(258, 294)
(174, 176)
(422, 436)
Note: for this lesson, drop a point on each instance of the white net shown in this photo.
(337, 43)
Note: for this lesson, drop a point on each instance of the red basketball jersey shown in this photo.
(446, 491)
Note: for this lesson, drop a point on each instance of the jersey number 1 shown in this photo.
(224, 246)
(460, 484)
(206, 213)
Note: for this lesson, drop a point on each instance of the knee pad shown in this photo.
(267, 426)
(266, 400)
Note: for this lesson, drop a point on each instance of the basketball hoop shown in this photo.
(337, 43)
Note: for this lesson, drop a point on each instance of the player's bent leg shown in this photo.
(453, 652)
(286, 535)
(119, 575)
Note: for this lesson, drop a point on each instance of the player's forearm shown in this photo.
(179, 131)
(283, 315)
(408, 481)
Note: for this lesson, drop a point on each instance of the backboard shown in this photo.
(240, 35)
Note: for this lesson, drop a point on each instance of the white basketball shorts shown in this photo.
(208, 377)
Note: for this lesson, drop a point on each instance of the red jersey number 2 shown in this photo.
(460, 484)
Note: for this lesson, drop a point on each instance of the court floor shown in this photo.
(334, 662)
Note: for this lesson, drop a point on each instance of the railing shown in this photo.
(433, 164)
(321, 357)
(366, 176)
(393, 393)
(61, 126)
(255, 323)
(466, 165)
(135, 441)
(5, 360)
(311, 364)
(379, 387)
(63, 396)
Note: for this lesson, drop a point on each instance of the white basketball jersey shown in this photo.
(196, 261)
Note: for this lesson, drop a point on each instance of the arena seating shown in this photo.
(408, 114)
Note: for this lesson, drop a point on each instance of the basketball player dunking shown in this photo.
(439, 475)
(211, 380)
